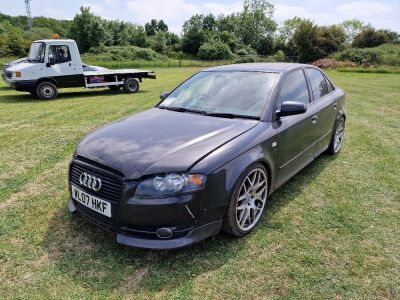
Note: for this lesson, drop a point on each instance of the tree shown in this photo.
(209, 23)
(159, 42)
(193, 34)
(369, 37)
(313, 42)
(87, 29)
(289, 28)
(330, 39)
(305, 41)
(154, 26)
(351, 28)
(255, 22)
(393, 36)
(12, 41)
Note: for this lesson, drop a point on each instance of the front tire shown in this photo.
(337, 137)
(247, 202)
(131, 85)
(46, 90)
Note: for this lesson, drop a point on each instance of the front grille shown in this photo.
(8, 74)
(111, 190)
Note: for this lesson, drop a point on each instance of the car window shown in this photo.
(294, 88)
(234, 92)
(60, 54)
(330, 86)
(318, 83)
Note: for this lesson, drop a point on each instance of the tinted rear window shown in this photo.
(318, 83)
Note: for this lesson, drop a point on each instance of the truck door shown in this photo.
(62, 68)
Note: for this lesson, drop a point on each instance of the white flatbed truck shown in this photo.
(54, 64)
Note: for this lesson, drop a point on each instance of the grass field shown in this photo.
(333, 231)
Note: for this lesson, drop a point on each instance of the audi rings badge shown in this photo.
(90, 181)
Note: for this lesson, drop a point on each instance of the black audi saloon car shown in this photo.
(208, 155)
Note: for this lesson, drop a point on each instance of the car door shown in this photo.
(297, 133)
(325, 106)
(60, 66)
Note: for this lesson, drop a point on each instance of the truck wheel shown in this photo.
(46, 90)
(131, 85)
(114, 87)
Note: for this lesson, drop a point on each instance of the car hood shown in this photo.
(21, 66)
(158, 141)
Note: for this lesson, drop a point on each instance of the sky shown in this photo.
(383, 14)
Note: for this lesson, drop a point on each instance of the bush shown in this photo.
(242, 52)
(369, 37)
(215, 50)
(385, 54)
(118, 53)
(279, 56)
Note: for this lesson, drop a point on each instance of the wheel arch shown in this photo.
(49, 79)
(236, 167)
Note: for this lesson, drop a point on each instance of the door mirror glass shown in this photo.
(164, 95)
(289, 108)
(51, 59)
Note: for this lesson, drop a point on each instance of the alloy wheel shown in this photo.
(339, 134)
(251, 199)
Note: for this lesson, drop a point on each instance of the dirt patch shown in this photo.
(329, 63)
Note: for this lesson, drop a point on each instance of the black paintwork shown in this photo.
(161, 141)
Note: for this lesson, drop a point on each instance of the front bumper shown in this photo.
(149, 239)
(137, 222)
(23, 85)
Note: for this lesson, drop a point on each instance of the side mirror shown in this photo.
(51, 61)
(289, 108)
(164, 95)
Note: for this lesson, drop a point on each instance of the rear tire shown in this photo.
(46, 90)
(114, 87)
(337, 137)
(247, 203)
(131, 85)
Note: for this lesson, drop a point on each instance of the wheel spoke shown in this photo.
(251, 199)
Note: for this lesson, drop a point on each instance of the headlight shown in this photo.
(169, 185)
(17, 74)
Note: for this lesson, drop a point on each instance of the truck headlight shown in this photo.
(17, 74)
(168, 185)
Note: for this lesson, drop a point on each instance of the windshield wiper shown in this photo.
(232, 116)
(182, 109)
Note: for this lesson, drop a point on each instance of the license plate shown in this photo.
(94, 203)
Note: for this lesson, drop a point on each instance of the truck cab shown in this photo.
(56, 63)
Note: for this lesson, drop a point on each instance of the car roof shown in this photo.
(259, 67)
(55, 41)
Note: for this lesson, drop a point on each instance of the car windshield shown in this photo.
(36, 53)
(223, 93)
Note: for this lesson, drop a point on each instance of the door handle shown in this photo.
(314, 119)
(334, 105)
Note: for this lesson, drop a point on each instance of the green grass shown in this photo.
(331, 232)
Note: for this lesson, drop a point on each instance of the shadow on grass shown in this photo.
(28, 98)
(92, 258)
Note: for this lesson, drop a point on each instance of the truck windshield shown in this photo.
(223, 93)
(36, 53)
